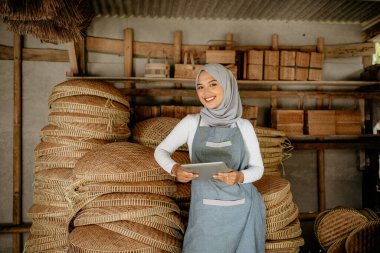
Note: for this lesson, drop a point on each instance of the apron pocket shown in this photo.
(218, 144)
(219, 202)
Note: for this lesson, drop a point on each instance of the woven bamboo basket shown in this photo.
(171, 219)
(50, 148)
(369, 214)
(40, 229)
(364, 238)
(289, 243)
(269, 132)
(37, 243)
(338, 246)
(90, 105)
(152, 132)
(87, 87)
(338, 223)
(80, 143)
(118, 162)
(133, 199)
(50, 162)
(163, 187)
(116, 213)
(44, 211)
(279, 224)
(63, 117)
(160, 227)
(60, 177)
(183, 192)
(283, 250)
(95, 239)
(272, 188)
(292, 230)
(60, 249)
(144, 234)
(281, 206)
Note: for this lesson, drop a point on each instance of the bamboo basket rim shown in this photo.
(44, 211)
(290, 231)
(266, 131)
(356, 232)
(170, 219)
(288, 243)
(277, 225)
(280, 207)
(67, 117)
(81, 143)
(272, 188)
(338, 246)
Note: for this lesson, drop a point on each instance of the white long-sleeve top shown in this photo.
(184, 132)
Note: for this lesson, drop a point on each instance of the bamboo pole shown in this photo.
(17, 141)
(177, 48)
(321, 180)
(320, 49)
(274, 87)
(128, 59)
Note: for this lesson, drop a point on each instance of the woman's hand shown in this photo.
(232, 177)
(182, 175)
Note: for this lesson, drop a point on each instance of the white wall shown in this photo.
(40, 77)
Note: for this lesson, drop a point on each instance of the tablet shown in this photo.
(205, 170)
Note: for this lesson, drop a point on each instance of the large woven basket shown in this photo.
(270, 132)
(81, 143)
(59, 177)
(39, 243)
(338, 223)
(168, 220)
(290, 231)
(289, 243)
(365, 238)
(66, 117)
(87, 87)
(44, 211)
(95, 239)
(338, 246)
(272, 188)
(183, 192)
(152, 132)
(281, 206)
(118, 162)
(144, 234)
(273, 226)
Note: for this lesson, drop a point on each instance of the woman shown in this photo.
(227, 213)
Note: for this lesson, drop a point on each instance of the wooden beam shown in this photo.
(35, 54)
(82, 56)
(11, 228)
(141, 49)
(73, 56)
(17, 140)
(177, 50)
(229, 41)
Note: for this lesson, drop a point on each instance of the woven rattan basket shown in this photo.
(118, 162)
(81, 143)
(39, 243)
(144, 234)
(49, 148)
(87, 87)
(272, 188)
(116, 213)
(66, 117)
(281, 206)
(50, 162)
(338, 223)
(370, 214)
(95, 239)
(59, 177)
(167, 222)
(273, 226)
(44, 211)
(283, 250)
(40, 229)
(183, 192)
(283, 214)
(290, 231)
(289, 243)
(365, 238)
(338, 246)
(152, 132)
(264, 131)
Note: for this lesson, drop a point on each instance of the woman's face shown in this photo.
(209, 91)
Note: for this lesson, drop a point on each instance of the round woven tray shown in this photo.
(60, 249)
(160, 227)
(274, 226)
(118, 162)
(152, 132)
(49, 162)
(164, 187)
(116, 213)
(370, 214)
(95, 239)
(283, 250)
(286, 212)
(39, 243)
(80, 143)
(338, 246)
(338, 223)
(181, 157)
(48, 148)
(281, 206)
(66, 117)
(318, 219)
(272, 188)
(144, 234)
(87, 87)
(133, 199)
(268, 142)
(59, 176)
(38, 229)
(365, 238)
(183, 192)
(289, 243)
(44, 211)
(290, 231)
(90, 105)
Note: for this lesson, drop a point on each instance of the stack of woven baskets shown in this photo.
(274, 148)
(120, 202)
(151, 132)
(283, 229)
(76, 125)
(341, 230)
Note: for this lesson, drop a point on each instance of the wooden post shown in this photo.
(17, 140)
(73, 57)
(82, 57)
(320, 49)
(321, 180)
(274, 87)
(229, 41)
(177, 59)
(128, 59)
(367, 61)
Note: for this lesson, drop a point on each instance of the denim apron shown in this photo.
(223, 218)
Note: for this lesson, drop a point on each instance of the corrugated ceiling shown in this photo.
(341, 11)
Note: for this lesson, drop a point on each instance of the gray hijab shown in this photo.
(230, 109)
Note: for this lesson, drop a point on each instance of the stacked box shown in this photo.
(287, 65)
(348, 122)
(289, 121)
(320, 122)
(302, 66)
(255, 64)
(271, 65)
(221, 56)
(315, 68)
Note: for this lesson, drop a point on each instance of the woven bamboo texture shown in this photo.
(292, 230)
(338, 246)
(36, 243)
(338, 223)
(272, 187)
(95, 239)
(289, 243)
(364, 238)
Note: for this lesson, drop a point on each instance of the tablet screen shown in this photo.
(205, 170)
